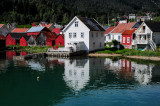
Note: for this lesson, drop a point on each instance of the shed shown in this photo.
(46, 38)
(14, 38)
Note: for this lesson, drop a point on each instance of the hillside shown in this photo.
(27, 11)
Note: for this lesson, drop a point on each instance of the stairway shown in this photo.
(153, 45)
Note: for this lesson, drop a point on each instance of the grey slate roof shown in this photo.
(154, 26)
(92, 24)
(137, 24)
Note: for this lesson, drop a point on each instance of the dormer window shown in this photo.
(76, 24)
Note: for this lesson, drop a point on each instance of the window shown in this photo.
(70, 35)
(101, 34)
(128, 40)
(93, 44)
(74, 35)
(96, 34)
(76, 24)
(100, 44)
(109, 36)
(92, 35)
(82, 34)
(119, 37)
(123, 39)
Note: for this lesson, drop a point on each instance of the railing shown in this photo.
(153, 45)
(60, 50)
(141, 41)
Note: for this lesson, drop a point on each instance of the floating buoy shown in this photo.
(38, 78)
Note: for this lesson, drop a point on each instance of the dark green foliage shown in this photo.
(62, 11)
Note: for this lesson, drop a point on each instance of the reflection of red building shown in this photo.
(23, 53)
(10, 54)
(126, 65)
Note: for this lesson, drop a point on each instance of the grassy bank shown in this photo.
(129, 52)
(30, 49)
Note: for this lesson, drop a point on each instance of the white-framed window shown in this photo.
(124, 39)
(128, 40)
(76, 24)
(70, 35)
(74, 35)
(82, 34)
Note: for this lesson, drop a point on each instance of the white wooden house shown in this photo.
(85, 30)
(4, 30)
(116, 34)
(148, 35)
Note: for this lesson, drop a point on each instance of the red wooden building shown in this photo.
(2, 42)
(127, 38)
(60, 40)
(14, 38)
(46, 38)
(23, 42)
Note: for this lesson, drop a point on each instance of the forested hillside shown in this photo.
(27, 11)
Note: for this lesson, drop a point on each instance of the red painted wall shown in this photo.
(49, 42)
(10, 40)
(33, 33)
(126, 36)
(23, 42)
(59, 40)
(10, 55)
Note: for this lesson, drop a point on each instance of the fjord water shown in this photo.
(49, 81)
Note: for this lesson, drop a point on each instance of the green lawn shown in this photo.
(31, 49)
(129, 52)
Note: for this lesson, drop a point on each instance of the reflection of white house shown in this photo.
(113, 65)
(85, 30)
(76, 73)
(36, 66)
(143, 73)
(148, 35)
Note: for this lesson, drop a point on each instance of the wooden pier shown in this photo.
(66, 54)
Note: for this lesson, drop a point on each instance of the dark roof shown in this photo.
(2, 37)
(92, 24)
(137, 24)
(154, 26)
(50, 35)
(17, 36)
(26, 37)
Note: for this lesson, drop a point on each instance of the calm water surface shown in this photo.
(49, 81)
